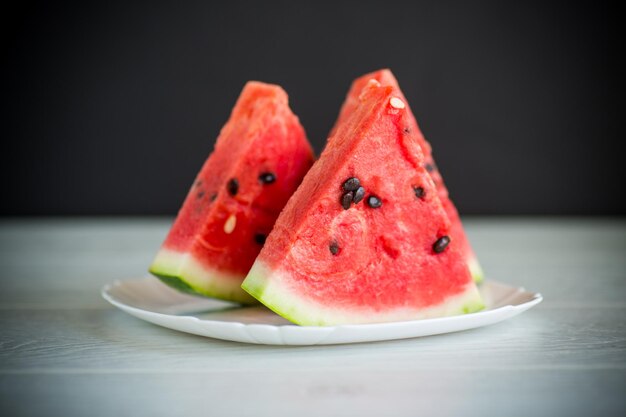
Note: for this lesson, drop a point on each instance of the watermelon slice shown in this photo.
(385, 77)
(365, 238)
(260, 158)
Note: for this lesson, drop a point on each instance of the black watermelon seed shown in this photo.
(419, 192)
(267, 178)
(213, 196)
(407, 130)
(374, 202)
(233, 186)
(200, 195)
(351, 184)
(260, 238)
(333, 247)
(198, 183)
(430, 167)
(441, 244)
(358, 195)
(346, 200)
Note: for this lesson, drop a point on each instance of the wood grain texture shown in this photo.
(64, 351)
(97, 340)
(319, 393)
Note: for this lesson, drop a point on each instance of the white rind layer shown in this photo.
(476, 270)
(200, 279)
(269, 287)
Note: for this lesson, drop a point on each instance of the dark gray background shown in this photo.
(112, 108)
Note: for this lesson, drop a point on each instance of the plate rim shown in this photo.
(537, 298)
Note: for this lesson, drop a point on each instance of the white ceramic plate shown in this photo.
(153, 301)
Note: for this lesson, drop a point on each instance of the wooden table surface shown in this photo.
(66, 352)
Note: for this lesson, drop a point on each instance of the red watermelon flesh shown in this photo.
(384, 258)
(386, 77)
(260, 158)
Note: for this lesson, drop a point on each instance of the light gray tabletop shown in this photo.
(66, 352)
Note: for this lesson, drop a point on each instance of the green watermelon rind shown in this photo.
(180, 271)
(175, 282)
(264, 285)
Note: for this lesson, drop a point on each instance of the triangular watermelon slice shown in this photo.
(260, 158)
(386, 77)
(365, 238)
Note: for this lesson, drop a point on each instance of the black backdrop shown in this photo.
(111, 108)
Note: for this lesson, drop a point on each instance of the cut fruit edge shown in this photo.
(269, 288)
(181, 271)
(478, 275)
